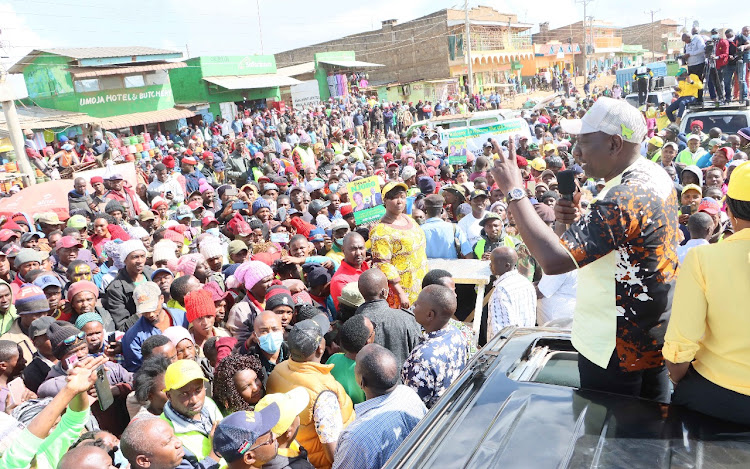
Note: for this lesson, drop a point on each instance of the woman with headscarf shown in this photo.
(105, 231)
(254, 278)
(398, 248)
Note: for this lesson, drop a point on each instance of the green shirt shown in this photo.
(343, 372)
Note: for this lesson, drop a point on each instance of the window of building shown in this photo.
(86, 86)
(159, 77)
(134, 81)
(110, 82)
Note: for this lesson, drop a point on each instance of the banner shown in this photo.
(305, 94)
(477, 135)
(366, 200)
(457, 150)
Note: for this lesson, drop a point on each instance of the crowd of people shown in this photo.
(226, 308)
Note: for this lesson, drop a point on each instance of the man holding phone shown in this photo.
(168, 187)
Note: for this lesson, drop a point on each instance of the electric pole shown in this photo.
(585, 39)
(7, 97)
(653, 50)
(260, 30)
(468, 49)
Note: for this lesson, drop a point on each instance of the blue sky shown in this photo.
(231, 27)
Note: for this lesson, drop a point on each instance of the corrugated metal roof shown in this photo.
(299, 69)
(101, 52)
(37, 118)
(142, 118)
(351, 63)
(250, 82)
(90, 72)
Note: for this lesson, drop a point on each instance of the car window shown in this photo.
(483, 121)
(632, 100)
(728, 123)
(453, 124)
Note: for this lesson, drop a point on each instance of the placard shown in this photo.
(366, 200)
(457, 150)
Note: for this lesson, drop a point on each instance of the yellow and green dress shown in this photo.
(400, 253)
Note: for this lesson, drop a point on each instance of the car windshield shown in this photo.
(728, 123)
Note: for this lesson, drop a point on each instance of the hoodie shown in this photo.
(7, 317)
(695, 170)
(78, 201)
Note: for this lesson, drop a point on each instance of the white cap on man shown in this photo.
(611, 116)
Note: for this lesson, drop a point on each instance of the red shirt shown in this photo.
(345, 274)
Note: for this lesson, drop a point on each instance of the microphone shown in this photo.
(566, 184)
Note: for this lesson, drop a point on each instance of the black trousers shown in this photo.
(697, 393)
(698, 70)
(642, 91)
(652, 383)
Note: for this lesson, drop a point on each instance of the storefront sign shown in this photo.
(107, 98)
(305, 94)
(366, 200)
(457, 150)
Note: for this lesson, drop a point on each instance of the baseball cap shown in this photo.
(488, 217)
(235, 434)
(5, 235)
(656, 141)
(351, 296)
(146, 297)
(183, 211)
(533, 146)
(236, 246)
(316, 206)
(146, 215)
(10, 250)
(739, 183)
(49, 218)
(408, 172)
(182, 372)
(338, 224)
(392, 185)
(47, 280)
(40, 325)
(68, 242)
(115, 177)
(478, 193)
(208, 220)
(162, 270)
(538, 164)
(306, 336)
(694, 187)
(715, 141)
(611, 116)
(318, 234)
(290, 403)
(78, 222)
(709, 205)
(671, 144)
(693, 137)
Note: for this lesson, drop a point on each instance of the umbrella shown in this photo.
(49, 196)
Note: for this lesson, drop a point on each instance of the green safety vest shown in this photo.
(479, 247)
(656, 157)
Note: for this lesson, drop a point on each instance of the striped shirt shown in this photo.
(513, 303)
(381, 425)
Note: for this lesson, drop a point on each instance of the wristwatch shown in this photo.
(515, 194)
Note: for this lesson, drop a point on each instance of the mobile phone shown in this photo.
(71, 361)
(279, 237)
(15, 389)
(103, 389)
(686, 210)
(195, 223)
(239, 205)
(169, 193)
(231, 192)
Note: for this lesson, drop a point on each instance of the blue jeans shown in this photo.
(742, 78)
(680, 104)
(727, 73)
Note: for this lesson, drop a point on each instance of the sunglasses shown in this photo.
(246, 447)
(72, 339)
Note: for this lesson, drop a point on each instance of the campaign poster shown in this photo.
(366, 200)
(457, 150)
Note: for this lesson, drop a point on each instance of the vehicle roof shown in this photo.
(487, 420)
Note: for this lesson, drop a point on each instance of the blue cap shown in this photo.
(236, 434)
(158, 271)
(317, 234)
(47, 280)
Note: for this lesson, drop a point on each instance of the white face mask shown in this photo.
(213, 231)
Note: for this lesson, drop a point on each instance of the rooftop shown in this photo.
(99, 56)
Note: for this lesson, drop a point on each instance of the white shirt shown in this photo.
(513, 303)
(697, 50)
(170, 185)
(691, 243)
(559, 297)
(471, 228)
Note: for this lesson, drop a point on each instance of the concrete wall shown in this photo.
(410, 51)
(641, 34)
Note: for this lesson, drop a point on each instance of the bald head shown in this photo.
(352, 237)
(86, 457)
(267, 320)
(376, 369)
(371, 284)
(441, 300)
(502, 260)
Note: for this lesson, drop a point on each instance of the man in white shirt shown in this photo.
(168, 187)
(556, 297)
(513, 300)
(470, 223)
(695, 56)
(701, 227)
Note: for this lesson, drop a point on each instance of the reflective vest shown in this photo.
(479, 250)
(196, 442)
(307, 157)
(315, 378)
(337, 148)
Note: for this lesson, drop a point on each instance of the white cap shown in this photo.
(611, 116)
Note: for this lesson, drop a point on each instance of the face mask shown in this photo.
(339, 242)
(715, 36)
(271, 342)
(213, 231)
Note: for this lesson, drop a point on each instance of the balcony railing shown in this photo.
(486, 43)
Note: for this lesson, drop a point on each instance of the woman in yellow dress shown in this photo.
(398, 248)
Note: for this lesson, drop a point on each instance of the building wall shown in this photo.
(51, 86)
(411, 51)
(641, 34)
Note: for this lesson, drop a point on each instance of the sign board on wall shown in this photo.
(105, 98)
(305, 94)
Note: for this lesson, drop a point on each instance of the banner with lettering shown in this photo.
(366, 199)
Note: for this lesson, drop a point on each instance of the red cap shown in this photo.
(709, 205)
(345, 209)
(97, 179)
(208, 220)
(207, 154)
(189, 160)
(5, 235)
(168, 161)
(195, 204)
(434, 163)
(264, 178)
(198, 304)
(698, 123)
(521, 161)
(393, 165)
(11, 225)
(68, 242)
(388, 156)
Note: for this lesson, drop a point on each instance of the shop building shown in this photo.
(224, 85)
(121, 88)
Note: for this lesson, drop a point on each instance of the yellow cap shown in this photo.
(693, 187)
(656, 141)
(539, 164)
(290, 405)
(739, 183)
(550, 147)
(392, 185)
(181, 373)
